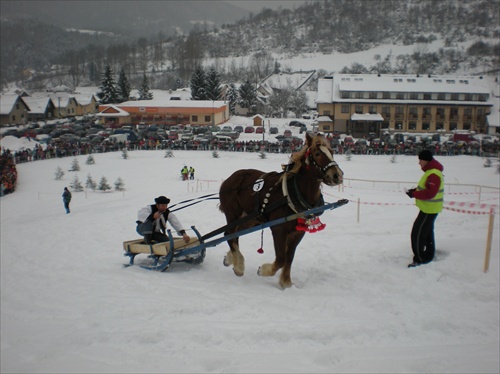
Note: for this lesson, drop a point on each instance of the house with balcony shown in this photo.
(359, 104)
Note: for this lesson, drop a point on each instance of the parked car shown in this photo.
(273, 130)
(173, 135)
(296, 124)
(238, 128)
(348, 140)
(287, 133)
(259, 130)
(249, 130)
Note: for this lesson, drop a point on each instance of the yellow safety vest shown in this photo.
(435, 205)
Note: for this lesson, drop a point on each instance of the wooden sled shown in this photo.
(162, 254)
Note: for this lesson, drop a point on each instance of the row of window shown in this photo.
(414, 96)
(412, 110)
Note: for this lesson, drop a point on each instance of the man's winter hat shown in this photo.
(162, 200)
(425, 155)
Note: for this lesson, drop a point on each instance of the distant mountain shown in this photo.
(128, 18)
(165, 40)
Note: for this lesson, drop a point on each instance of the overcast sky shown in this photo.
(257, 5)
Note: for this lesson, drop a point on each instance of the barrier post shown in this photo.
(488, 240)
(359, 204)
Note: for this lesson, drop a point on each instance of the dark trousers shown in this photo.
(66, 206)
(146, 228)
(422, 238)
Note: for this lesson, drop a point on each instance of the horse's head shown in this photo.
(319, 155)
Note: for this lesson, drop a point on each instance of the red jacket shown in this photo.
(431, 184)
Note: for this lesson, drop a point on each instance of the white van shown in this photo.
(223, 139)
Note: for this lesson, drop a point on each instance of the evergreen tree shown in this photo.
(76, 185)
(108, 93)
(232, 97)
(103, 184)
(90, 160)
(198, 85)
(119, 184)
(90, 183)
(248, 96)
(213, 86)
(75, 166)
(59, 173)
(144, 93)
(123, 87)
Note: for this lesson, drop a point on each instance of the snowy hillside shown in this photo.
(69, 306)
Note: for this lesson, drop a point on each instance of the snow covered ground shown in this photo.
(69, 306)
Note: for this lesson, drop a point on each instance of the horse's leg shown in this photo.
(293, 240)
(280, 245)
(235, 258)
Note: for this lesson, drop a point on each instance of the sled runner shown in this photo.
(162, 254)
(176, 250)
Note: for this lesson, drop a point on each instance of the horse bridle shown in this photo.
(324, 169)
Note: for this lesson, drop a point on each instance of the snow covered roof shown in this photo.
(7, 102)
(163, 103)
(113, 111)
(37, 105)
(180, 94)
(60, 99)
(84, 99)
(324, 119)
(366, 117)
(283, 80)
(329, 88)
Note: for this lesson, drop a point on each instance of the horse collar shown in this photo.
(295, 200)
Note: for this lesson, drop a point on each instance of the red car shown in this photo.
(249, 130)
(259, 130)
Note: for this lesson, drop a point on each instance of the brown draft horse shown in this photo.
(262, 197)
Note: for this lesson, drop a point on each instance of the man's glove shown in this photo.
(410, 192)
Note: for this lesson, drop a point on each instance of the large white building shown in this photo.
(360, 104)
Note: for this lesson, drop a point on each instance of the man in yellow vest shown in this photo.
(429, 199)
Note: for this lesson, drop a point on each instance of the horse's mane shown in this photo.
(298, 158)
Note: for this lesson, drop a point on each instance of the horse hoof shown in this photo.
(226, 264)
(286, 285)
(238, 273)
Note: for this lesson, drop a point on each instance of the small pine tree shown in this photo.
(59, 173)
(262, 155)
(124, 153)
(215, 154)
(76, 185)
(75, 166)
(119, 184)
(393, 159)
(90, 160)
(123, 87)
(169, 153)
(103, 184)
(90, 183)
(107, 91)
(144, 93)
